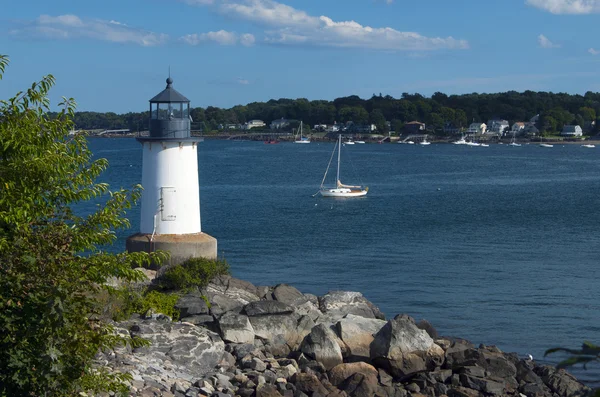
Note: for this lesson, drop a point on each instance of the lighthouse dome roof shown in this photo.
(169, 94)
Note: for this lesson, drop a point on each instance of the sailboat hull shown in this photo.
(342, 192)
(304, 141)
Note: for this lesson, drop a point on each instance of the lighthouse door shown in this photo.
(167, 203)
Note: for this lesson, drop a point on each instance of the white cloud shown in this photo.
(289, 25)
(544, 42)
(242, 81)
(567, 6)
(221, 37)
(594, 51)
(72, 27)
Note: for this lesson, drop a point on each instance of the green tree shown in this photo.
(51, 260)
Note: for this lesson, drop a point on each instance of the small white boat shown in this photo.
(340, 190)
(410, 142)
(349, 143)
(588, 145)
(301, 139)
(473, 144)
(359, 142)
(513, 142)
(542, 144)
(461, 141)
(425, 141)
(484, 145)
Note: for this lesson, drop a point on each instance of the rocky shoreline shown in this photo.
(276, 341)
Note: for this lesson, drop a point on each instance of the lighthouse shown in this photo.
(170, 208)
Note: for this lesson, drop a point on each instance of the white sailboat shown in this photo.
(301, 139)
(512, 141)
(340, 190)
(588, 145)
(425, 141)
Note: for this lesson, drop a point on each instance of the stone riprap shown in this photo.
(275, 341)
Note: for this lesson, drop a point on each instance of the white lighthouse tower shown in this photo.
(170, 215)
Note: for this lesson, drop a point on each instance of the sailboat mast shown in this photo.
(300, 129)
(339, 151)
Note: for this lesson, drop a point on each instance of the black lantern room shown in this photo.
(169, 114)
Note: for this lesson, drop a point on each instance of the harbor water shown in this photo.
(498, 245)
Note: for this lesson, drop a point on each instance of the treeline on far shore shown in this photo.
(440, 112)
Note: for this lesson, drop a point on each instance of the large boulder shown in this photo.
(279, 327)
(189, 350)
(403, 349)
(236, 328)
(191, 305)
(341, 372)
(357, 334)
(321, 345)
(337, 304)
(286, 294)
(261, 308)
(240, 291)
(561, 382)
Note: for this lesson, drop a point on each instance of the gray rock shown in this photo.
(191, 305)
(321, 345)
(258, 365)
(403, 349)
(337, 304)
(487, 386)
(238, 290)
(287, 294)
(266, 390)
(292, 327)
(561, 382)
(261, 308)
(357, 334)
(193, 348)
(201, 320)
(308, 383)
(236, 328)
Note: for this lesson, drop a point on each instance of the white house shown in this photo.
(497, 126)
(477, 128)
(518, 127)
(253, 124)
(571, 130)
(279, 124)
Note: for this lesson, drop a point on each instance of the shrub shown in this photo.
(51, 263)
(158, 302)
(193, 273)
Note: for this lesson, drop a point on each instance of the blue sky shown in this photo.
(114, 55)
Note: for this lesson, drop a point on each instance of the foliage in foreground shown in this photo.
(588, 353)
(193, 273)
(51, 263)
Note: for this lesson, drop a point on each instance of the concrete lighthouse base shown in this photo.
(180, 246)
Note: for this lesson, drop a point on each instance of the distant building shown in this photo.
(332, 128)
(414, 127)
(477, 128)
(518, 127)
(450, 128)
(253, 124)
(229, 126)
(279, 124)
(571, 130)
(497, 126)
